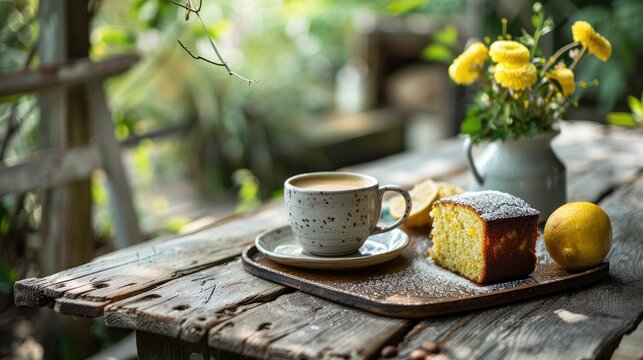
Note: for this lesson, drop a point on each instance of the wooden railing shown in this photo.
(64, 164)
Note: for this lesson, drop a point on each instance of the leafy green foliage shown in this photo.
(248, 195)
(8, 276)
(621, 119)
(398, 7)
(447, 36)
(175, 224)
(18, 123)
(486, 119)
(437, 52)
(631, 119)
(636, 106)
(620, 22)
(440, 49)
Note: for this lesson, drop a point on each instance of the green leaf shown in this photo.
(634, 103)
(437, 52)
(175, 224)
(447, 36)
(636, 106)
(10, 98)
(8, 274)
(398, 7)
(535, 20)
(548, 26)
(526, 38)
(506, 111)
(621, 119)
(471, 125)
(112, 35)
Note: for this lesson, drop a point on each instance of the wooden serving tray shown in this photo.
(411, 286)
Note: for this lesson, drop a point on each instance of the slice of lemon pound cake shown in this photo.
(485, 236)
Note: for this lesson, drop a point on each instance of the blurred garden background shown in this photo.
(337, 83)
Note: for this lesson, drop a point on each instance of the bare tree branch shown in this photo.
(189, 8)
(196, 57)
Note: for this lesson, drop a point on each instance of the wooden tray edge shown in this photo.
(423, 310)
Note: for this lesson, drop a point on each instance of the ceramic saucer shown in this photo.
(279, 245)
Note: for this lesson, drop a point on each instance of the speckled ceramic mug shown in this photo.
(333, 213)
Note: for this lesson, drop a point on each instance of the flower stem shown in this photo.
(537, 34)
(578, 59)
(558, 53)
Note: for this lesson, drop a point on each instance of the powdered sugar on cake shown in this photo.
(492, 205)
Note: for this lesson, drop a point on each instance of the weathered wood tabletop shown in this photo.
(189, 297)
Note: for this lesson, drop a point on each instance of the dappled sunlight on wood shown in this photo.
(570, 317)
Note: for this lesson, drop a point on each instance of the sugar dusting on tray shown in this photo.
(422, 281)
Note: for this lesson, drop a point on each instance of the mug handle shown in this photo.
(468, 144)
(407, 199)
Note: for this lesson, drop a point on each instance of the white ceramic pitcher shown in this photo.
(526, 167)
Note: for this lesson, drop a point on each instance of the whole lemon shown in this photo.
(578, 235)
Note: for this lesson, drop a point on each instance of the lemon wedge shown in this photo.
(423, 195)
(447, 189)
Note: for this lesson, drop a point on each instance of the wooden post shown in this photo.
(66, 228)
(121, 199)
(53, 109)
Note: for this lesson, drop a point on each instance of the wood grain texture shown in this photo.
(62, 74)
(49, 168)
(113, 278)
(305, 327)
(587, 323)
(609, 309)
(188, 307)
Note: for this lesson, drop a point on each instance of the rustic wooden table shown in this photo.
(189, 297)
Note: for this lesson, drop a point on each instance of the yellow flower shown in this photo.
(513, 52)
(465, 69)
(593, 41)
(565, 78)
(516, 77)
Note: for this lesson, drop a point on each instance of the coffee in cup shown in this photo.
(333, 213)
